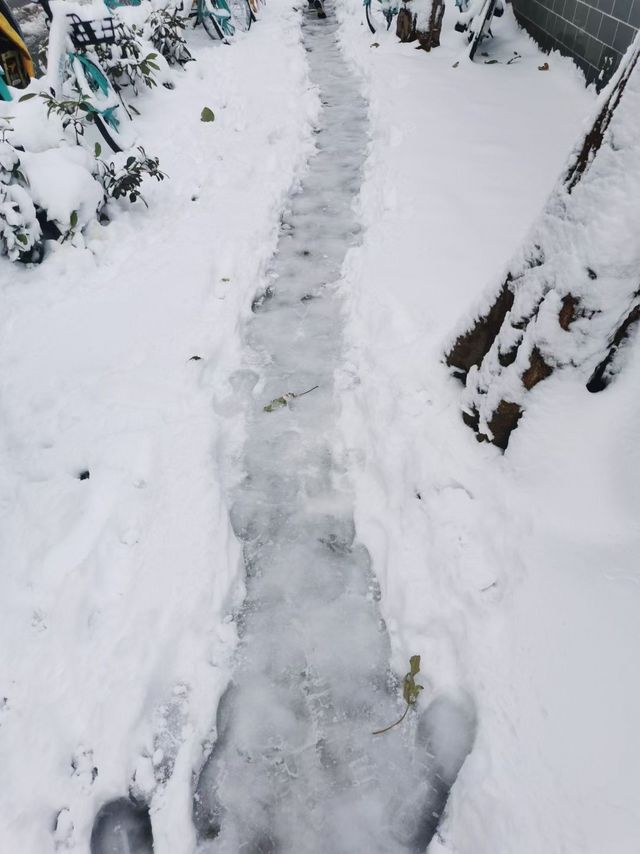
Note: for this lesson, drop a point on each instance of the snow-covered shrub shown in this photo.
(165, 30)
(19, 227)
(73, 112)
(122, 176)
(20, 232)
(63, 184)
(128, 63)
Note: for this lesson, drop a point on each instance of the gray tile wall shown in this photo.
(596, 33)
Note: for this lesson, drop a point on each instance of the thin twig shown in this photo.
(302, 393)
(391, 726)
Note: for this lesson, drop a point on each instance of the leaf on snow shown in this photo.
(410, 692)
(207, 115)
(279, 402)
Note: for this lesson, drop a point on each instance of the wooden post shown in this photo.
(407, 28)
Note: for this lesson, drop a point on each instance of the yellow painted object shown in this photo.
(7, 30)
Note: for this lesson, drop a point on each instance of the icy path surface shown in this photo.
(296, 767)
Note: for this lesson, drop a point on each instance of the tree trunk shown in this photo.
(406, 25)
(430, 37)
(508, 350)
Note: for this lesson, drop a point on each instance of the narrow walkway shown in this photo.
(296, 767)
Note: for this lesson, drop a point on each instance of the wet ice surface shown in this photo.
(121, 827)
(296, 767)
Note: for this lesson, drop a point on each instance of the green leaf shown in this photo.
(97, 149)
(130, 162)
(27, 97)
(277, 403)
(411, 691)
(22, 238)
(207, 115)
(73, 219)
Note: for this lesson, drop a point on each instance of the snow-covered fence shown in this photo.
(572, 295)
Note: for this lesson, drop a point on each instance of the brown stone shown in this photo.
(471, 347)
(503, 422)
(471, 419)
(537, 371)
(568, 311)
(508, 357)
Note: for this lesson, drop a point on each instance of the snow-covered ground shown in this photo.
(513, 577)
(116, 588)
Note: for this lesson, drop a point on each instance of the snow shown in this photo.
(61, 181)
(514, 578)
(299, 762)
(133, 379)
(116, 588)
(587, 251)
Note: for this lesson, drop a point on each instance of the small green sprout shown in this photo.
(410, 691)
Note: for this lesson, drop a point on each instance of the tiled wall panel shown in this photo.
(596, 33)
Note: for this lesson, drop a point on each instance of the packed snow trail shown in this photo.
(296, 767)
